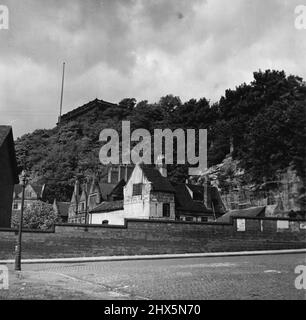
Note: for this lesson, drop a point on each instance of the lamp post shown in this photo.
(86, 202)
(24, 181)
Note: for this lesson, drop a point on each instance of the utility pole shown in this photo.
(62, 94)
(24, 181)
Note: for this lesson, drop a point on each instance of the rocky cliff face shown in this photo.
(283, 197)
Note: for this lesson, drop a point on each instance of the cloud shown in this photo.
(137, 48)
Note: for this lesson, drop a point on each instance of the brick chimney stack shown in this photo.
(77, 188)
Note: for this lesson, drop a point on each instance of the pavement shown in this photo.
(250, 277)
(156, 257)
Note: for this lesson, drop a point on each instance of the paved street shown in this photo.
(253, 277)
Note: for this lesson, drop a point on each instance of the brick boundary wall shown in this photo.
(141, 237)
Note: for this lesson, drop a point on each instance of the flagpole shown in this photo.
(62, 93)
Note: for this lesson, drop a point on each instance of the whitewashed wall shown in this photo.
(113, 217)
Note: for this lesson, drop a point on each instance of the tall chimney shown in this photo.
(207, 193)
(231, 145)
(162, 168)
(77, 188)
(109, 174)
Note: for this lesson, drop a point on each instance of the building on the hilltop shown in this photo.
(61, 209)
(8, 175)
(92, 107)
(149, 194)
(33, 193)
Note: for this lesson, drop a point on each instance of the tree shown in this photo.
(38, 215)
(265, 119)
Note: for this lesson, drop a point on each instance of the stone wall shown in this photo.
(140, 237)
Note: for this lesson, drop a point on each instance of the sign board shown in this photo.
(303, 225)
(4, 280)
(282, 224)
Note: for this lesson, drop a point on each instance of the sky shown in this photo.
(143, 49)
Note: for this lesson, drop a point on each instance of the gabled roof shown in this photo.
(159, 183)
(6, 134)
(94, 185)
(37, 188)
(75, 113)
(118, 190)
(62, 208)
(249, 213)
(106, 189)
(76, 193)
(197, 189)
(108, 206)
(84, 190)
(214, 194)
(184, 201)
(17, 190)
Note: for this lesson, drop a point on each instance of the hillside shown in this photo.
(266, 120)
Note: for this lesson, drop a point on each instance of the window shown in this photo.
(105, 222)
(166, 210)
(82, 207)
(189, 219)
(115, 176)
(241, 225)
(137, 189)
(15, 206)
(204, 219)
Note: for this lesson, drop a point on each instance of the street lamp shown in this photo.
(24, 181)
(85, 186)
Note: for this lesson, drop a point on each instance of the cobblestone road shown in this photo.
(252, 277)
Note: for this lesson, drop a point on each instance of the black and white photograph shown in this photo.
(152, 151)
